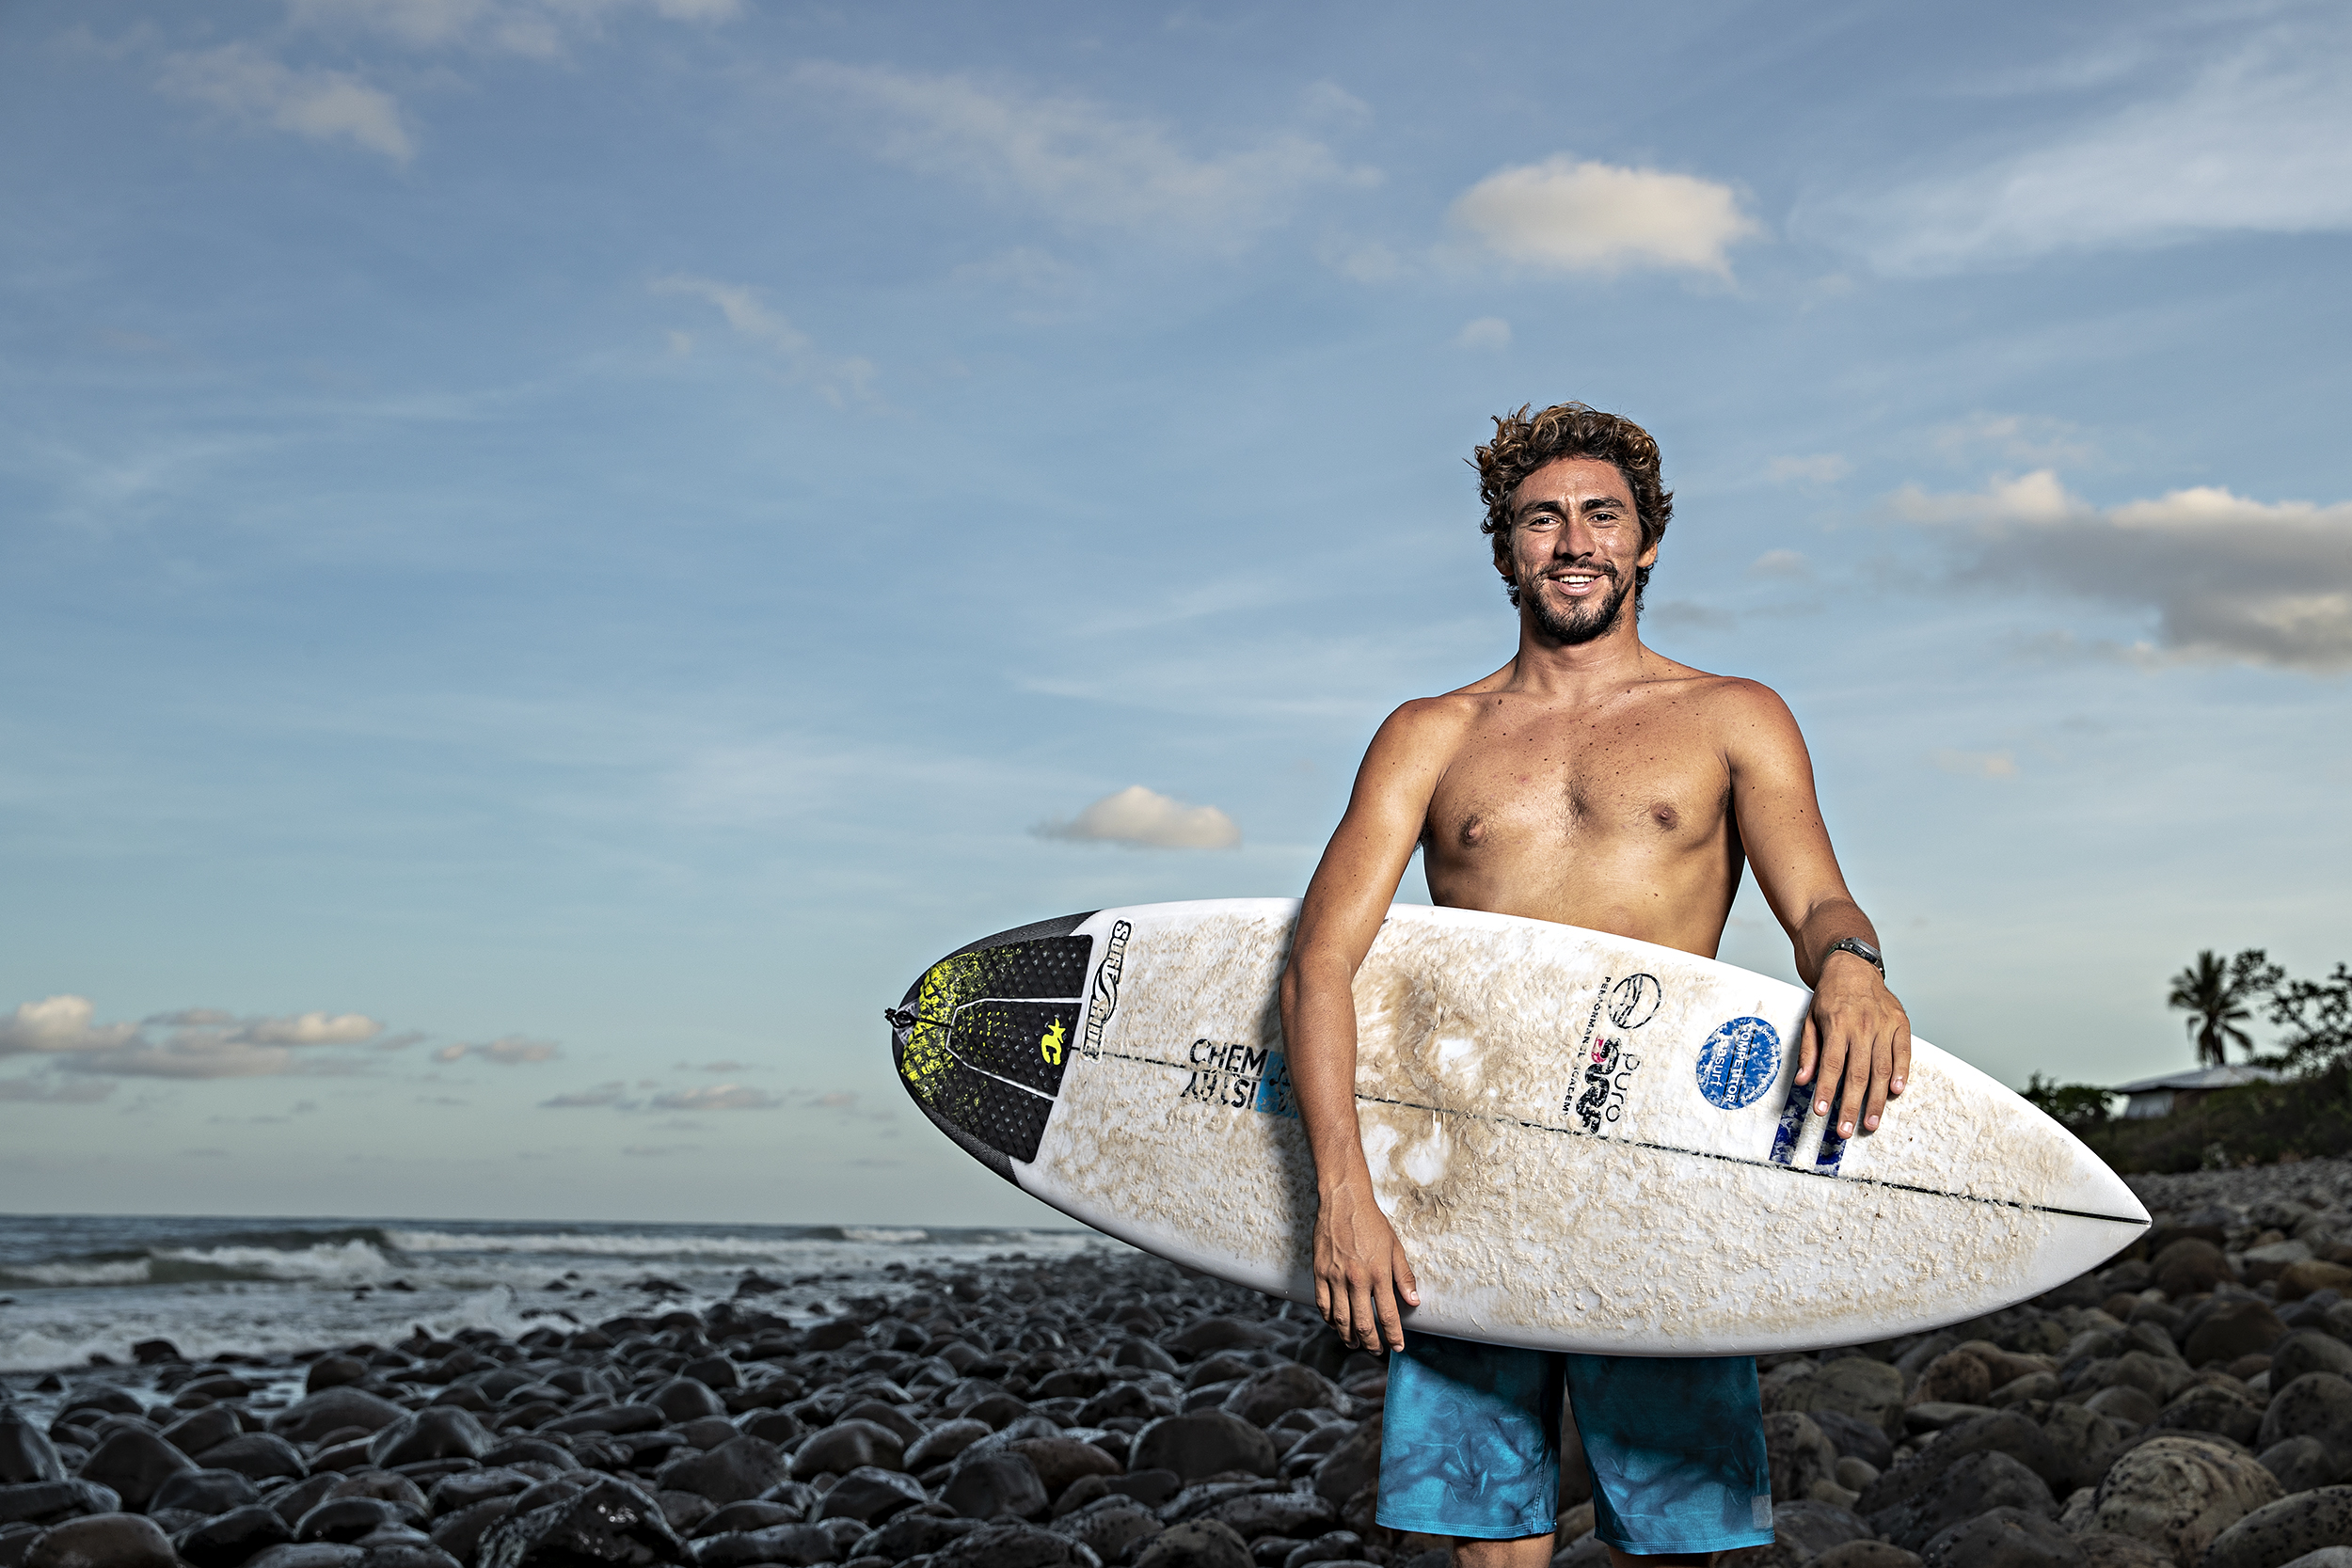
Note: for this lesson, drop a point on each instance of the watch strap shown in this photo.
(1860, 949)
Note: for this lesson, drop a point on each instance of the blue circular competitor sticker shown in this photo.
(1739, 1063)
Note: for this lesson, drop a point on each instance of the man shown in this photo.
(1594, 782)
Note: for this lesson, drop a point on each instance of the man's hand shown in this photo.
(1360, 1272)
(1857, 1033)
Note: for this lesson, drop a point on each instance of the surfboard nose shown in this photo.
(981, 1038)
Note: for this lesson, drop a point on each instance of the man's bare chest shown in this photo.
(1548, 782)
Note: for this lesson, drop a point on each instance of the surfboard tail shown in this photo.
(981, 1038)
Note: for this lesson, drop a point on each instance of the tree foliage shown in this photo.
(2219, 995)
(2317, 1019)
(2077, 1107)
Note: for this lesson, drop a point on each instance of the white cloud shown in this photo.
(718, 1096)
(751, 318)
(1978, 765)
(614, 1094)
(60, 1023)
(1566, 216)
(1147, 819)
(507, 1051)
(2021, 438)
(1084, 165)
(1780, 564)
(196, 1043)
(242, 81)
(2259, 141)
(1487, 332)
(2227, 577)
(537, 28)
(1822, 468)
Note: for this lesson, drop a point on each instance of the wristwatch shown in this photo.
(1860, 949)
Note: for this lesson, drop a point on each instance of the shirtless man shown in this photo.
(1594, 782)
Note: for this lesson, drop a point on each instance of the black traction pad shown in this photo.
(981, 1038)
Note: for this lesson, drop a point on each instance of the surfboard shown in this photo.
(1585, 1143)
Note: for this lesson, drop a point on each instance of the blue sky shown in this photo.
(557, 552)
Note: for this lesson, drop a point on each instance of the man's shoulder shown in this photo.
(1732, 694)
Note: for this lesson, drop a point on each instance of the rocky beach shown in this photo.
(2189, 1405)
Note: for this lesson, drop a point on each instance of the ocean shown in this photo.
(77, 1286)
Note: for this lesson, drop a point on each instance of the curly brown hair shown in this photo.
(1524, 444)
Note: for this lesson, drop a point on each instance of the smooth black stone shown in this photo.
(1203, 1443)
(334, 1371)
(205, 1492)
(527, 1449)
(755, 1515)
(468, 1487)
(437, 1431)
(103, 1540)
(292, 1503)
(203, 1429)
(911, 1535)
(43, 1503)
(2003, 1538)
(257, 1455)
(346, 1519)
(683, 1398)
(739, 1468)
(869, 1495)
(330, 1410)
(985, 1486)
(713, 1371)
(135, 1462)
(1300, 1515)
(614, 1419)
(25, 1451)
(236, 1535)
(314, 1554)
(843, 1447)
(1011, 1545)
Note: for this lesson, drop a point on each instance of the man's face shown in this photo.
(1575, 544)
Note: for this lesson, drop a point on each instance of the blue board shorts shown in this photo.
(1470, 1444)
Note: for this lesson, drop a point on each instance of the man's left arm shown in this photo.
(1857, 1033)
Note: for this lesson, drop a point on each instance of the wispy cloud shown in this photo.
(614, 1094)
(1976, 764)
(1785, 564)
(836, 379)
(1084, 165)
(1491, 334)
(1145, 819)
(2227, 577)
(1568, 216)
(2259, 141)
(247, 84)
(1821, 469)
(717, 1097)
(540, 29)
(2019, 439)
(507, 1051)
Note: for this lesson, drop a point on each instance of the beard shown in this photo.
(1584, 622)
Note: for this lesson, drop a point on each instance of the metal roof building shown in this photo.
(2178, 1091)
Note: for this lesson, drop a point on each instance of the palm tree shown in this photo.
(2214, 993)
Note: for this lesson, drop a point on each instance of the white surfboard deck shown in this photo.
(1585, 1143)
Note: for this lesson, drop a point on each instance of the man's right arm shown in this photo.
(1360, 1270)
